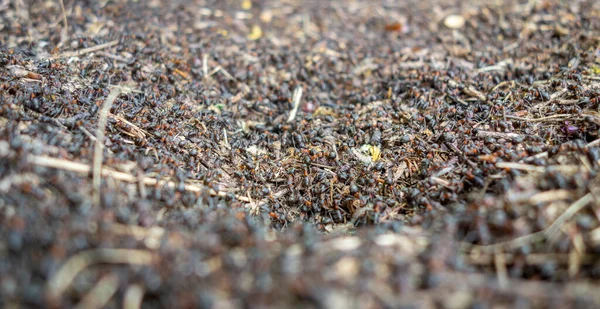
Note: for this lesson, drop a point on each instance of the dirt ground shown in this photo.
(299, 154)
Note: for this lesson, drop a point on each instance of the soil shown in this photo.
(299, 154)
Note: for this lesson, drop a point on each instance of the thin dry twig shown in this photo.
(150, 236)
(550, 196)
(85, 50)
(133, 297)
(521, 167)
(565, 169)
(559, 117)
(501, 272)
(544, 154)
(296, 96)
(205, 65)
(114, 57)
(106, 172)
(475, 93)
(500, 135)
(59, 282)
(568, 214)
(62, 6)
(534, 259)
(100, 294)
(102, 119)
(547, 233)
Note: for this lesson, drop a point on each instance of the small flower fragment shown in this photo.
(256, 33)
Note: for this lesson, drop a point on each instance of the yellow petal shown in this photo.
(256, 33)
(246, 4)
(375, 153)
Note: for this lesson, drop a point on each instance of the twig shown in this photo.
(550, 196)
(568, 214)
(205, 65)
(114, 57)
(227, 74)
(501, 273)
(566, 169)
(500, 135)
(150, 236)
(502, 84)
(133, 297)
(442, 182)
(521, 167)
(559, 117)
(576, 255)
(547, 233)
(323, 166)
(475, 93)
(62, 5)
(100, 294)
(88, 133)
(85, 50)
(296, 96)
(500, 66)
(102, 119)
(106, 172)
(225, 139)
(544, 154)
(59, 282)
(533, 259)
(533, 290)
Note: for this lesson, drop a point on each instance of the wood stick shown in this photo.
(102, 120)
(84, 51)
(59, 282)
(547, 233)
(133, 297)
(100, 294)
(106, 172)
